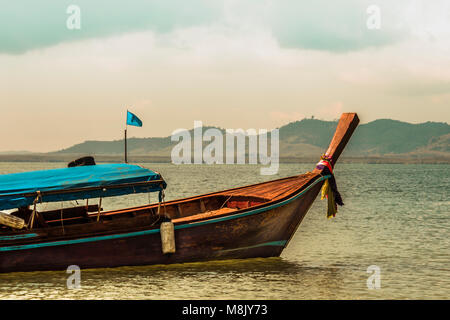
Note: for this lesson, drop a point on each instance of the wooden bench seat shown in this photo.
(204, 215)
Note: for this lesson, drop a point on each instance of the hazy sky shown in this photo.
(235, 64)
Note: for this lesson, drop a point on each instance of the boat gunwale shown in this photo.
(211, 194)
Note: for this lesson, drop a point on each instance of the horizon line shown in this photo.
(18, 152)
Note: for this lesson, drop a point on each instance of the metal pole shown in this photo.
(126, 160)
(99, 209)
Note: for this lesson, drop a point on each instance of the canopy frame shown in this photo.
(76, 183)
(75, 190)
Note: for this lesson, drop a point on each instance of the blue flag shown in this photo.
(132, 120)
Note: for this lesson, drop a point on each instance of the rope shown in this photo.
(329, 188)
(99, 209)
(30, 223)
(62, 220)
(162, 200)
(328, 193)
(225, 202)
(164, 203)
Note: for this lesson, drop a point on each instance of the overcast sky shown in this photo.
(234, 64)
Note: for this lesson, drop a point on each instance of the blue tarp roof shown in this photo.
(20, 189)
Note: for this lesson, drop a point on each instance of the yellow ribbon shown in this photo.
(327, 192)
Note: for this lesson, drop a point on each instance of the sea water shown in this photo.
(396, 218)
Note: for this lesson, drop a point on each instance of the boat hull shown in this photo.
(258, 232)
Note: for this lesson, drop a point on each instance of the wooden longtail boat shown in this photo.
(252, 221)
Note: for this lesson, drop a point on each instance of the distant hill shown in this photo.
(310, 137)
(383, 137)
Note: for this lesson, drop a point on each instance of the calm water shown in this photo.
(396, 217)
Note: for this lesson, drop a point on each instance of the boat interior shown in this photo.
(179, 211)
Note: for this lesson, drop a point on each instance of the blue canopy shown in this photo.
(84, 182)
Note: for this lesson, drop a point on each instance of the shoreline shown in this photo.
(164, 159)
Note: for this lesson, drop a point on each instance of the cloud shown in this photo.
(216, 74)
(26, 25)
(281, 118)
(331, 111)
(227, 67)
(331, 26)
(319, 25)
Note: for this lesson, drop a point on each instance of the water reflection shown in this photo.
(269, 278)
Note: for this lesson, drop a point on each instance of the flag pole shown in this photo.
(126, 160)
(126, 127)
